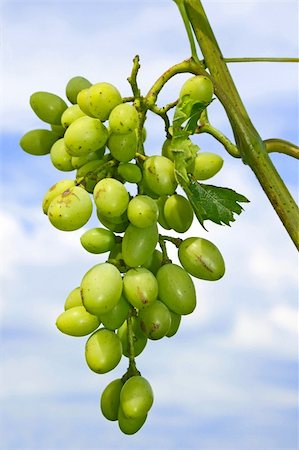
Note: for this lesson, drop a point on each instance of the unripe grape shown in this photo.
(71, 114)
(98, 240)
(70, 210)
(206, 165)
(79, 161)
(103, 97)
(73, 299)
(201, 258)
(113, 319)
(142, 211)
(130, 172)
(48, 107)
(162, 219)
(54, 191)
(127, 425)
(115, 224)
(123, 147)
(175, 323)
(153, 263)
(111, 197)
(103, 351)
(136, 397)
(139, 338)
(155, 320)
(166, 150)
(60, 157)
(74, 86)
(85, 135)
(176, 289)
(199, 89)
(158, 173)
(59, 129)
(83, 101)
(77, 321)
(123, 119)
(101, 288)
(140, 287)
(91, 173)
(178, 213)
(38, 142)
(138, 244)
(110, 398)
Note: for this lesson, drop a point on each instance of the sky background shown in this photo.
(228, 379)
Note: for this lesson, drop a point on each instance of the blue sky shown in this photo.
(228, 379)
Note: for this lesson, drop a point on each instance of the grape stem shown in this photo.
(261, 59)
(165, 258)
(132, 369)
(174, 240)
(282, 146)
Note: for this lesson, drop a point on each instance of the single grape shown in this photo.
(116, 252)
(59, 129)
(175, 323)
(138, 244)
(98, 240)
(153, 263)
(73, 299)
(139, 338)
(140, 287)
(123, 147)
(90, 173)
(74, 86)
(70, 210)
(85, 135)
(103, 351)
(103, 97)
(155, 320)
(110, 398)
(101, 288)
(79, 161)
(60, 157)
(77, 321)
(83, 101)
(158, 172)
(143, 211)
(206, 165)
(111, 197)
(178, 213)
(201, 258)
(115, 224)
(38, 142)
(127, 425)
(166, 150)
(136, 397)
(199, 89)
(123, 119)
(113, 319)
(48, 107)
(71, 114)
(130, 172)
(162, 219)
(176, 289)
(54, 191)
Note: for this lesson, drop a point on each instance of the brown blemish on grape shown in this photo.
(53, 187)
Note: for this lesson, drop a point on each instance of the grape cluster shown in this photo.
(138, 293)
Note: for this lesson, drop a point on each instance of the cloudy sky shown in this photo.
(228, 379)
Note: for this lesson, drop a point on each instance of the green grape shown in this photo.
(130, 172)
(110, 398)
(127, 425)
(71, 114)
(115, 224)
(201, 258)
(59, 129)
(139, 338)
(155, 320)
(123, 147)
(60, 157)
(206, 165)
(154, 261)
(77, 321)
(103, 97)
(158, 173)
(140, 287)
(136, 397)
(143, 211)
(38, 142)
(138, 244)
(98, 240)
(83, 101)
(199, 89)
(111, 197)
(79, 161)
(176, 289)
(116, 252)
(178, 213)
(74, 86)
(103, 351)
(162, 219)
(90, 173)
(54, 191)
(113, 319)
(166, 150)
(70, 210)
(123, 119)
(73, 299)
(85, 135)
(48, 107)
(101, 288)
(175, 323)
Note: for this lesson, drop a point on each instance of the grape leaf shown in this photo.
(187, 110)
